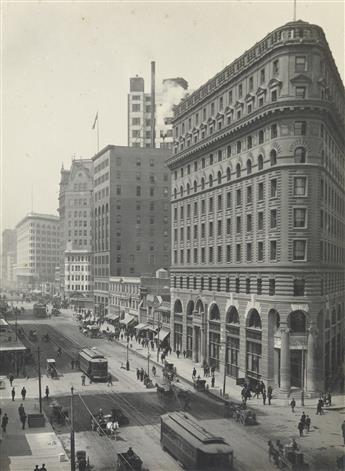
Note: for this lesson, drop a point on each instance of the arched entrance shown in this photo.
(232, 326)
(253, 346)
(214, 336)
(178, 325)
(297, 323)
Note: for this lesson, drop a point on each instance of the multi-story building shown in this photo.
(139, 112)
(8, 256)
(131, 215)
(76, 213)
(258, 215)
(78, 277)
(37, 249)
(124, 299)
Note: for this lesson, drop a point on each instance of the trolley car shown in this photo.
(93, 364)
(192, 445)
(40, 310)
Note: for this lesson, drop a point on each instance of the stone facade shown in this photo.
(258, 215)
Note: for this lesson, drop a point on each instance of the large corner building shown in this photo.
(258, 215)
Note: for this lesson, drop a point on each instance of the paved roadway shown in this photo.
(143, 408)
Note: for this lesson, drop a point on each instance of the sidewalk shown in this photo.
(184, 368)
(22, 449)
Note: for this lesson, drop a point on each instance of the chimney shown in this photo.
(153, 104)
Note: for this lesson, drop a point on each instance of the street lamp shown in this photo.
(148, 363)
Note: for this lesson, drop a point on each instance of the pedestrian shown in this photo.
(23, 392)
(21, 410)
(303, 417)
(194, 373)
(110, 380)
(142, 374)
(213, 379)
(184, 353)
(328, 399)
(138, 374)
(83, 377)
(293, 404)
(11, 378)
(4, 422)
(213, 369)
(343, 431)
(319, 407)
(300, 427)
(37, 468)
(23, 420)
(178, 353)
(43, 467)
(72, 364)
(269, 394)
(13, 393)
(47, 392)
(154, 370)
(264, 396)
(307, 423)
(257, 391)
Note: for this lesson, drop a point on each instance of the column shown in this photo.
(285, 378)
(203, 338)
(311, 366)
(195, 345)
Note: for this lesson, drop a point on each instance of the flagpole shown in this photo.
(97, 132)
(294, 10)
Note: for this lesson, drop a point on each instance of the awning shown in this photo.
(112, 316)
(127, 319)
(162, 334)
(140, 326)
(151, 327)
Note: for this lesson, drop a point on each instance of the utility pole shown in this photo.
(127, 360)
(39, 379)
(148, 363)
(72, 434)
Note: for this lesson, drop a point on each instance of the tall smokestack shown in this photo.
(153, 104)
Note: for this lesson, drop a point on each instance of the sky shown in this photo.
(64, 61)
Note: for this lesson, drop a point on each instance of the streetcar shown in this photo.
(40, 310)
(93, 364)
(196, 448)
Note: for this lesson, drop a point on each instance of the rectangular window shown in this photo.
(300, 186)
(272, 287)
(273, 184)
(210, 229)
(135, 121)
(276, 67)
(260, 251)
(202, 230)
(249, 252)
(299, 250)
(262, 76)
(203, 206)
(259, 286)
(251, 83)
(274, 95)
(300, 63)
(219, 227)
(219, 254)
(238, 197)
(228, 199)
(219, 202)
(210, 205)
(274, 132)
(228, 253)
(195, 256)
(260, 191)
(138, 191)
(195, 231)
(230, 97)
(249, 194)
(300, 92)
(228, 226)
(273, 218)
(240, 90)
(249, 222)
(135, 107)
(273, 250)
(203, 255)
(260, 220)
(238, 253)
(210, 254)
(238, 224)
(300, 217)
(298, 287)
(300, 128)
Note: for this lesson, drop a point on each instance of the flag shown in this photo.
(96, 119)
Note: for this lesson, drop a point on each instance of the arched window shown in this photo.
(297, 321)
(260, 162)
(214, 313)
(178, 307)
(219, 178)
(238, 146)
(254, 320)
(199, 307)
(181, 190)
(203, 183)
(300, 154)
(249, 167)
(190, 308)
(188, 188)
(228, 174)
(210, 180)
(232, 316)
(195, 186)
(238, 170)
(273, 157)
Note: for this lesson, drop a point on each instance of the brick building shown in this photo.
(131, 215)
(258, 215)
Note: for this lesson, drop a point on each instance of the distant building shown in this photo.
(78, 277)
(8, 256)
(76, 213)
(139, 112)
(124, 299)
(37, 249)
(131, 215)
(258, 220)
